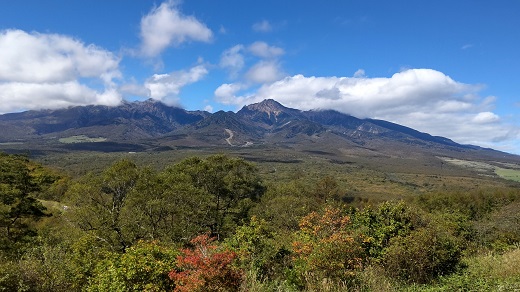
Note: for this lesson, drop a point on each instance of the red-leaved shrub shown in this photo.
(205, 268)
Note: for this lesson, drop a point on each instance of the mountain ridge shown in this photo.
(263, 123)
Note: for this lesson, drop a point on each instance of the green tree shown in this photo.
(283, 205)
(18, 207)
(143, 267)
(231, 183)
(98, 201)
(165, 206)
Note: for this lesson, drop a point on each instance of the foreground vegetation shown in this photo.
(220, 223)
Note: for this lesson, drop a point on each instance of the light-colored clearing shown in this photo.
(81, 139)
(512, 172)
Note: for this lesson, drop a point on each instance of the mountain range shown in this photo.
(152, 125)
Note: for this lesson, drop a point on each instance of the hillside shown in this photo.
(151, 125)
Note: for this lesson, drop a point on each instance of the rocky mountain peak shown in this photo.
(269, 106)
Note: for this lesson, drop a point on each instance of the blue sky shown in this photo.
(449, 68)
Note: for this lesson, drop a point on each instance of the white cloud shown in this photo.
(262, 26)
(226, 93)
(43, 71)
(134, 89)
(360, 73)
(208, 108)
(486, 118)
(166, 87)
(263, 50)
(16, 96)
(267, 69)
(165, 26)
(233, 60)
(264, 72)
(52, 58)
(424, 99)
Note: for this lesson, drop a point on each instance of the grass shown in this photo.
(489, 272)
(509, 174)
(81, 139)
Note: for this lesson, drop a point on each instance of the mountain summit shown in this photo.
(269, 106)
(268, 113)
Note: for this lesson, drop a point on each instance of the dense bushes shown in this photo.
(326, 247)
(422, 256)
(211, 225)
(143, 267)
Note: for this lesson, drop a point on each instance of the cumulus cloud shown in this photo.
(263, 50)
(262, 26)
(16, 96)
(424, 99)
(486, 118)
(264, 72)
(166, 26)
(166, 87)
(232, 59)
(208, 108)
(43, 71)
(266, 69)
(34, 57)
(226, 93)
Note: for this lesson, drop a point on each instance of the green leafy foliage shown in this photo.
(260, 249)
(119, 229)
(422, 256)
(230, 183)
(284, 205)
(18, 207)
(166, 206)
(381, 224)
(143, 267)
(98, 201)
(125, 203)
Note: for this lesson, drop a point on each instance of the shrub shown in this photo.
(259, 249)
(384, 222)
(204, 268)
(326, 248)
(422, 256)
(143, 267)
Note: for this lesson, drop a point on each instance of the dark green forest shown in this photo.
(222, 223)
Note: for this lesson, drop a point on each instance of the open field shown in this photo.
(81, 139)
(512, 172)
(364, 177)
(509, 174)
